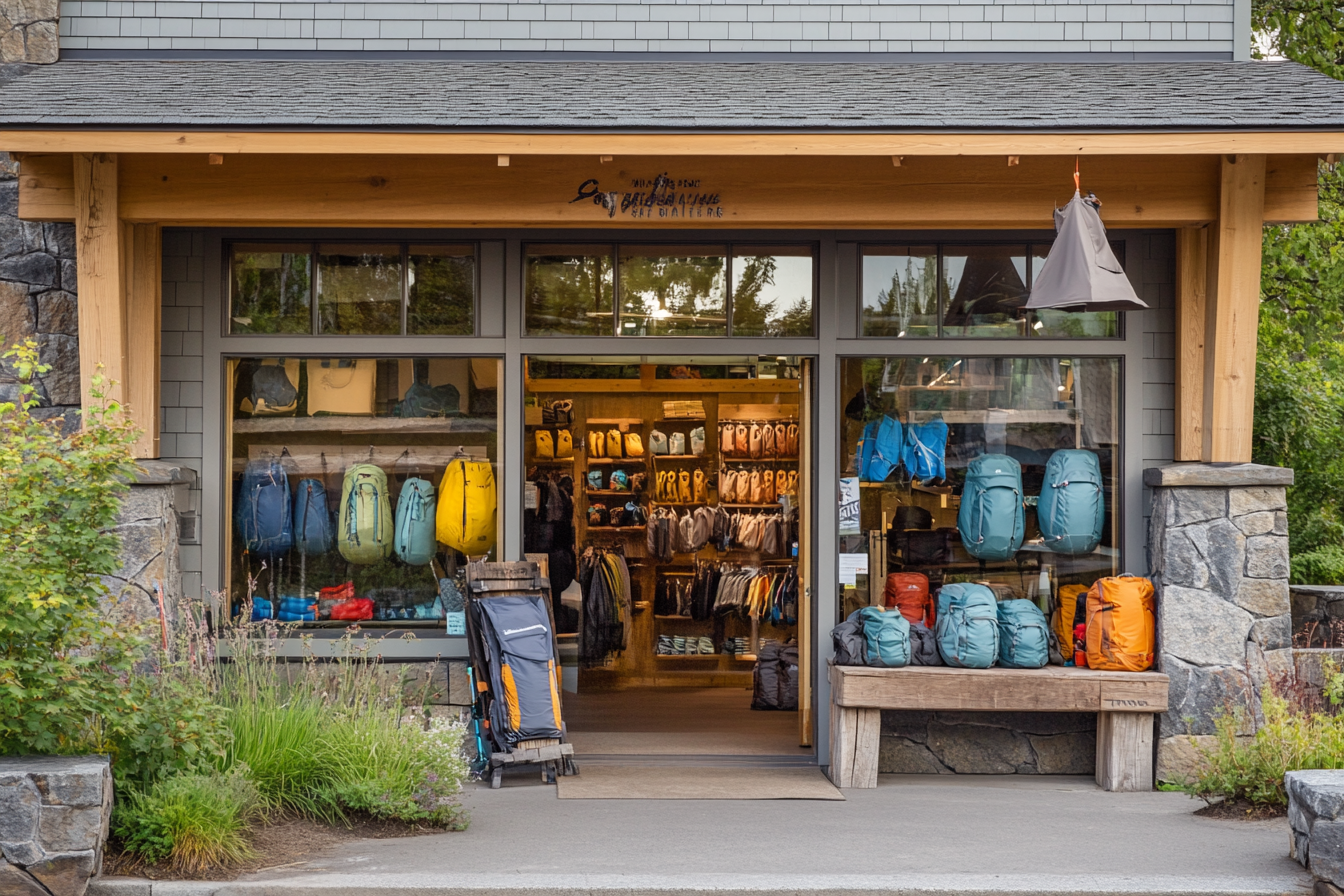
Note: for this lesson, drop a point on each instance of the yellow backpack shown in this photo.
(467, 512)
(1069, 595)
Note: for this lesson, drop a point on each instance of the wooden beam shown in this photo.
(1233, 314)
(100, 262)
(202, 143)
(1192, 263)
(144, 313)
(1291, 189)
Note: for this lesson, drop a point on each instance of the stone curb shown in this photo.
(715, 884)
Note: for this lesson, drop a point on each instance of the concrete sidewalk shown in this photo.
(912, 835)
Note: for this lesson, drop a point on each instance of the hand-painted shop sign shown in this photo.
(658, 197)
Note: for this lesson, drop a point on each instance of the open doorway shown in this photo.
(669, 500)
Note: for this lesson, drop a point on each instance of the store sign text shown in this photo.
(658, 197)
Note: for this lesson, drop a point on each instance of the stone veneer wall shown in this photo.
(38, 298)
(988, 743)
(29, 31)
(1219, 560)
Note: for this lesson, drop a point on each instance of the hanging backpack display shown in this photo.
(887, 637)
(414, 541)
(1120, 624)
(467, 507)
(968, 626)
(909, 593)
(1024, 637)
(365, 534)
(881, 448)
(312, 518)
(262, 513)
(991, 519)
(925, 450)
(1072, 508)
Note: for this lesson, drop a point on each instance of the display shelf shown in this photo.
(786, 459)
(616, 460)
(742, 658)
(609, 493)
(364, 424)
(774, 506)
(683, 618)
(617, 528)
(688, 656)
(681, 457)
(681, 420)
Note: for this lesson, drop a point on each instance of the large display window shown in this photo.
(951, 473)
(359, 487)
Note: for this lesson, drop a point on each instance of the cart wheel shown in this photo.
(571, 767)
(548, 773)
(496, 777)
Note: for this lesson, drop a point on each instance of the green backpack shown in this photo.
(366, 515)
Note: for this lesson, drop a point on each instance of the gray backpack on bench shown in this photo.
(851, 646)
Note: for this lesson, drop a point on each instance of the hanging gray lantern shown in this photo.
(1081, 273)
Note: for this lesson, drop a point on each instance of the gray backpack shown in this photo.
(923, 646)
(851, 646)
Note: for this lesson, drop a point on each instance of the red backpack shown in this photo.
(909, 593)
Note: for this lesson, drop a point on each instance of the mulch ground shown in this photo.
(282, 843)
(1241, 810)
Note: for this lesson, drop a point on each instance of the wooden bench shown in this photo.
(1124, 701)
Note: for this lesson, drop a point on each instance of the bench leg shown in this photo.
(855, 737)
(1125, 751)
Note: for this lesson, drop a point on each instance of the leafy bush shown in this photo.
(400, 771)
(189, 822)
(1322, 566)
(1297, 733)
(62, 662)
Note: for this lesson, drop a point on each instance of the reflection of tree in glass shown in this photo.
(754, 317)
(913, 293)
(361, 293)
(270, 293)
(561, 292)
(442, 295)
(664, 287)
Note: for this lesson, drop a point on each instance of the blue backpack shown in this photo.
(887, 635)
(1024, 642)
(991, 519)
(312, 519)
(297, 609)
(1072, 508)
(414, 540)
(262, 609)
(925, 450)
(880, 449)
(968, 626)
(262, 513)
(423, 400)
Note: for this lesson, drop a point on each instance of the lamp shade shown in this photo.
(1081, 273)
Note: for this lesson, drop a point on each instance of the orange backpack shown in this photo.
(909, 593)
(1120, 624)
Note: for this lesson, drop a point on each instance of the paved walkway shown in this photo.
(912, 835)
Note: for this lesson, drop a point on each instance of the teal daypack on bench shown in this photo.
(968, 626)
(1024, 639)
(887, 634)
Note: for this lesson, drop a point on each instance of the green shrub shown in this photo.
(392, 769)
(63, 663)
(1322, 566)
(189, 822)
(1295, 735)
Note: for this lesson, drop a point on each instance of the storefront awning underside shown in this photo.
(631, 97)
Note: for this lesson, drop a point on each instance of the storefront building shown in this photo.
(642, 290)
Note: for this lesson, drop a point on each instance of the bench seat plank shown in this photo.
(1052, 689)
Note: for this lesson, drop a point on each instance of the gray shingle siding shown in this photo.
(180, 379)
(763, 26)
(1158, 289)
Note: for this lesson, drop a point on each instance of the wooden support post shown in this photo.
(856, 735)
(1192, 271)
(144, 313)
(100, 259)
(1125, 751)
(1233, 313)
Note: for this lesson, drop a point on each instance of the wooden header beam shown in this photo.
(669, 144)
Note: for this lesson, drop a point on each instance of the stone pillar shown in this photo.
(1218, 555)
(148, 530)
(54, 814)
(29, 31)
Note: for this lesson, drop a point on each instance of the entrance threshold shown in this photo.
(699, 760)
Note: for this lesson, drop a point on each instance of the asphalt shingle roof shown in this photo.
(678, 96)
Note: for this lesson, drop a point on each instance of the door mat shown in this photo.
(661, 782)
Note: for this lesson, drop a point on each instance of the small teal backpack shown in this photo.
(1024, 642)
(968, 626)
(414, 541)
(1072, 508)
(991, 519)
(887, 634)
(924, 454)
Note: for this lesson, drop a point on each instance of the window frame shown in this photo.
(315, 316)
(939, 246)
(731, 247)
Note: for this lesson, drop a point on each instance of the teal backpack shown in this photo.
(880, 449)
(968, 626)
(887, 634)
(1072, 508)
(1024, 641)
(414, 541)
(991, 519)
(365, 534)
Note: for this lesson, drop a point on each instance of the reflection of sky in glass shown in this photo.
(955, 265)
(899, 298)
(792, 281)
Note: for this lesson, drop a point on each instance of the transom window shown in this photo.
(364, 289)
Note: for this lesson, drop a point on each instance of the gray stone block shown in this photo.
(67, 829)
(1224, 475)
(907, 723)
(980, 750)
(1254, 500)
(1195, 505)
(14, 881)
(1261, 523)
(1274, 633)
(1200, 628)
(20, 808)
(62, 382)
(1182, 562)
(79, 787)
(26, 852)
(17, 320)
(1267, 557)
(1318, 791)
(1199, 694)
(899, 756)
(1065, 754)
(1326, 851)
(58, 312)
(1263, 597)
(65, 874)
(1224, 549)
(459, 684)
(35, 268)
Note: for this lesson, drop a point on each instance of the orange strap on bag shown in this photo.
(1121, 624)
